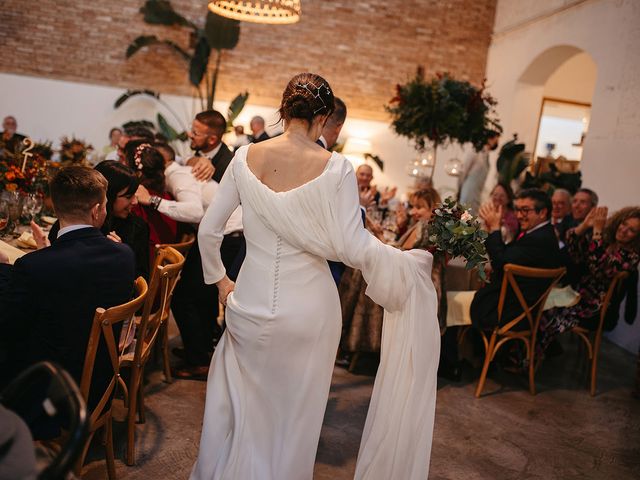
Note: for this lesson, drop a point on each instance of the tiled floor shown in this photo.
(561, 433)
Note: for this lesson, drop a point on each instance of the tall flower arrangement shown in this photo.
(443, 110)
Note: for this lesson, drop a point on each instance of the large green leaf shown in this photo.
(235, 107)
(166, 129)
(221, 32)
(199, 62)
(132, 93)
(146, 40)
(161, 12)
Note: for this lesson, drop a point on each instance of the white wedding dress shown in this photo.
(270, 375)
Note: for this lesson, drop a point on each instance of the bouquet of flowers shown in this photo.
(456, 232)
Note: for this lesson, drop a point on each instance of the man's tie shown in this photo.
(520, 235)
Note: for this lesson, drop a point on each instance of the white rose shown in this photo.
(466, 216)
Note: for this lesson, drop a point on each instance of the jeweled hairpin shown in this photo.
(137, 157)
(316, 95)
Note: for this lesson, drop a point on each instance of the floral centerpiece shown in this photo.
(74, 151)
(35, 176)
(443, 110)
(456, 232)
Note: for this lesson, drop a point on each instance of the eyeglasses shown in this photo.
(525, 210)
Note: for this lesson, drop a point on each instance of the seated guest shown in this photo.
(241, 137)
(120, 225)
(560, 207)
(130, 134)
(114, 139)
(148, 164)
(604, 251)
(502, 195)
(10, 139)
(362, 318)
(49, 303)
(536, 246)
(257, 130)
(583, 201)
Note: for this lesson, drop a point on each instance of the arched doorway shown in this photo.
(552, 106)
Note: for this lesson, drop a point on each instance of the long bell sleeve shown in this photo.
(211, 232)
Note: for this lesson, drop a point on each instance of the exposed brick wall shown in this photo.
(363, 48)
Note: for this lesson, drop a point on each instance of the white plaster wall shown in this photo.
(574, 80)
(608, 31)
(48, 109)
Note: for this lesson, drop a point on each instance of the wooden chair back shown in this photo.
(533, 312)
(593, 347)
(182, 247)
(102, 327)
(167, 268)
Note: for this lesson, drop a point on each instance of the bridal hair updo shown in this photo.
(307, 95)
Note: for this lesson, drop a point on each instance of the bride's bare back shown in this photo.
(286, 162)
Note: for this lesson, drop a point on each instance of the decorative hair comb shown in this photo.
(137, 157)
(316, 95)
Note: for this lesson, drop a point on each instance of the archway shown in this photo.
(552, 102)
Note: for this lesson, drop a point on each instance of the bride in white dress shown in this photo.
(270, 375)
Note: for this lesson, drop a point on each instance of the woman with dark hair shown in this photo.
(605, 248)
(120, 225)
(148, 163)
(502, 196)
(271, 371)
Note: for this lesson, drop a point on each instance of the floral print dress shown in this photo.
(601, 263)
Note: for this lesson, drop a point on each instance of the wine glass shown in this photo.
(4, 216)
(32, 205)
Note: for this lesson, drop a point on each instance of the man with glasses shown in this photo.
(536, 245)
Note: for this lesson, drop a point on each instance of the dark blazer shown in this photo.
(48, 307)
(220, 162)
(537, 249)
(261, 138)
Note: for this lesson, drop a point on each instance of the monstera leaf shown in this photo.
(222, 33)
(146, 40)
(199, 62)
(133, 93)
(161, 12)
(168, 131)
(235, 107)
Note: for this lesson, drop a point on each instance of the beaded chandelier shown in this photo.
(258, 11)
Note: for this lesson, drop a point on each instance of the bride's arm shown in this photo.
(211, 231)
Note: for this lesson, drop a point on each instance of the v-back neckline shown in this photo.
(303, 185)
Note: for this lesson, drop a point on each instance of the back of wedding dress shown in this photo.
(317, 221)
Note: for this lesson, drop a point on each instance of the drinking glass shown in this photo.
(4, 217)
(32, 205)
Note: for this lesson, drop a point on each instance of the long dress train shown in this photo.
(271, 372)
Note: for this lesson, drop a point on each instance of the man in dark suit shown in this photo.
(535, 246)
(258, 133)
(194, 303)
(49, 302)
(328, 138)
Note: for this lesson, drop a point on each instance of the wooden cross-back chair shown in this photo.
(593, 338)
(167, 269)
(183, 248)
(102, 328)
(530, 317)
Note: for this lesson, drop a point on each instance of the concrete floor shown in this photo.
(561, 433)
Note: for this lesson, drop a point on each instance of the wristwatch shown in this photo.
(154, 202)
